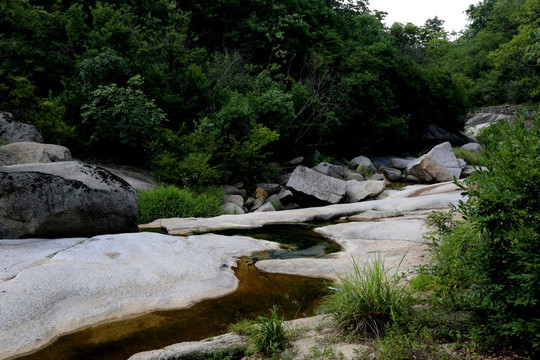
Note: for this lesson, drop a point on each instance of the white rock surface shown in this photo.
(440, 164)
(52, 287)
(357, 191)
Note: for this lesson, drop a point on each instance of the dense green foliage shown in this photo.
(169, 202)
(490, 261)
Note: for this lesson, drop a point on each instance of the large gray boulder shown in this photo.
(32, 152)
(12, 131)
(357, 191)
(64, 199)
(440, 164)
(319, 186)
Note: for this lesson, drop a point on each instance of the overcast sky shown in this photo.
(418, 11)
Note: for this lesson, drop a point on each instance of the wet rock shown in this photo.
(319, 186)
(440, 164)
(32, 152)
(64, 199)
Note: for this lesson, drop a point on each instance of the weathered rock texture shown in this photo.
(32, 152)
(440, 164)
(64, 199)
(11, 131)
(322, 187)
(357, 191)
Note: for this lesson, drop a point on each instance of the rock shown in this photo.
(461, 163)
(235, 199)
(138, 179)
(376, 177)
(229, 344)
(296, 161)
(382, 161)
(400, 163)
(285, 196)
(260, 193)
(472, 147)
(334, 171)
(230, 190)
(440, 164)
(433, 134)
(276, 203)
(11, 131)
(54, 287)
(32, 152)
(362, 164)
(412, 178)
(64, 199)
(480, 121)
(270, 188)
(284, 178)
(266, 207)
(230, 208)
(254, 204)
(357, 191)
(392, 174)
(352, 175)
(469, 169)
(291, 206)
(319, 186)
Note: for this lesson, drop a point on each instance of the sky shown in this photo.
(418, 11)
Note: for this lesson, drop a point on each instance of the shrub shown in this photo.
(369, 299)
(170, 201)
(472, 157)
(504, 205)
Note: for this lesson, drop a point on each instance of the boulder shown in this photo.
(461, 163)
(276, 203)
(362, 163)
(412, 178)
(382, 161)
(433, 134)
(376, 177)
(440, 164)
(472, 146)
(334, 171)
(235, 199)
(266, 207)
(296, 161)
(231, 190)
(11, 131)
(357, 191)
(253, 204)
(32, 152)
(64, 199)
(319, 186)
(230, 208)
(353, 175)
(392, 174)
(285, 196)
(400, 163)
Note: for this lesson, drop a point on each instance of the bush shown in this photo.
(472, 157)
(504, 205)
(369, 299)
(170, 201)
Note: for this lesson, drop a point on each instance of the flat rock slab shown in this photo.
(385, 207)
(52, 287)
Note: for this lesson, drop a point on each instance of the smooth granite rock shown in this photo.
(32, 152)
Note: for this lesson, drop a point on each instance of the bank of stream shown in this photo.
(296, 297)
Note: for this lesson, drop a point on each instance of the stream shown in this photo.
(295, 296)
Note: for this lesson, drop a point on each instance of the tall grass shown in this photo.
(369, 300)
(170, 201)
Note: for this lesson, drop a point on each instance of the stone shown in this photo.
(235, 199)
(260, 193)
(352, 175)
(382, 161)
(412, 178)
(11, 131)
(270, 188)
(376, 177)
(334, 171)
(319, 186)
(440, 164)
(291, 206)
(266, 207)
(66, 198)
(469, 169)
(231, 190)
(461, 163)
(362, 164)
(55, 287)
(32, 152)
(472, 147)
(433, 134)
(357, 191)
(253, 204)
(276, 203)
(296, 161)
(400, 163)
(230, 208)
(285, 196)
(392, 174)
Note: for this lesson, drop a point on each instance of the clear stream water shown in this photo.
(296, 297)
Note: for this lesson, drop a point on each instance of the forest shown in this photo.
(208, 91)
